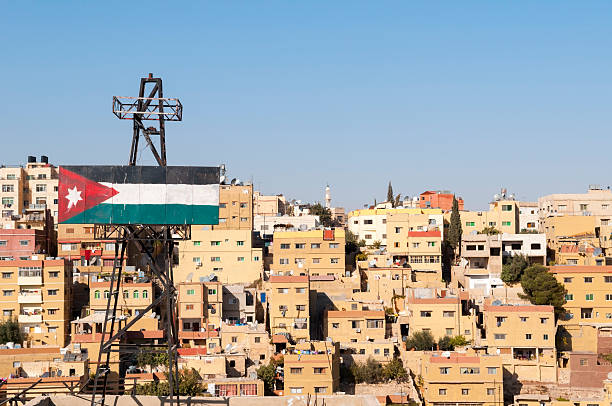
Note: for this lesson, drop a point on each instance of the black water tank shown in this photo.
(31, 159)
(44, 159)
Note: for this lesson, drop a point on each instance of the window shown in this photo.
(244, 219)
(588, 279)
(8, 188)
(106, 294)
(97, 294)
(465, 391)
(355, 324)
(374, 323)
(545, 336)
(240, 259)
(500, 336)
(490, 391)
(283, 261)
(506, 207)
(425, 313)
(300, 290)
(197, 260)
(243, 205)
(215, 243)
(492, 370)
(398, 230)
(543, 320)
(7, 275)
(191, 291)
(320, 389)
(415, 245)
(296, 390)
(41, 188)
(256, 258)
(535, 246)
(7, 201)
(212, 291)
(197, 243)
(319, 371)
(608, 296)
(335, 260)
(296, 371)
(572, 261)
(524, 319)
(567, 280)
(215, 259)
(431, 243)
(586, 313)
(145, 294)
(608, 279)
(334, 245)
(52, 292)
(240, 243)
(441, 391)
(469, 371)
(285, 246)
(136, 294)
(316, 260)
(222, 205)
(448, 313)
(300, 307)
(7, 292)
(23, 243)
(257, 340)
(569, 297)
(589, 296)
(584, 207)
(584, 362)
(335, 325)
(8, 313)
(449, 331)
(189, 307)
(367, 221)
(315, 245)
(506, 223)
(527, 336)
(470, 224)
(300, 246)
(283, 290)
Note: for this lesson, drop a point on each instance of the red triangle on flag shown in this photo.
(77, 194)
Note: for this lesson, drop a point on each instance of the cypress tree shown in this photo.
(455, 231)
(390, 196)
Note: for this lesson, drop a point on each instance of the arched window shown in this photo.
(145, 294)
(135, 294)
(106, 294)
(97, 294)
(126, 294)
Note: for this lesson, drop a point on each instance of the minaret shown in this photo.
(327, 197)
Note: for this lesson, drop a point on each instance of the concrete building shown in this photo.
(482, 257)
(315, 252)
(22, 243)
(268, 205)
(37, 293)
(421, 251)
(370, 225)
(503, 215)
(312, 368)
(462, 379)
(524, 336)
(227, 254)
(266, 225)
(235, 207)
(239, 304)
(200, 307)
(439, 313)
(589, 294)
(438, 199)
(595, 202)
(32, 185)
(251, 339)
(529, 217)
(288, 302)
(353, 326)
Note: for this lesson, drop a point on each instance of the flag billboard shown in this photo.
(161, 195)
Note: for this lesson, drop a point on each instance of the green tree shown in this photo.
(151, 359)
(352, 244)
(390, 195)
(459, 341)
(325, 216)
(376, 244)
(267, 374)
(490, 231)
(420, 341)
(513, 270)
(370, 371)
(398, 200)
(395, 371)
(541, 288)
(10, 332)
(445, 344)
(362, 256)
(454, 230)
(189, 384)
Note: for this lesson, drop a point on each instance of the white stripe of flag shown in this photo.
(147, 193)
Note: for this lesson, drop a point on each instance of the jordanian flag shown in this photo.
(138, 195)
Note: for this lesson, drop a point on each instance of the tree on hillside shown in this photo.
(395, 371)
(490, 231)
(390, 195)
(325, 216)
(513, 270)
(10, 332)
(455, 231)
(420, 341)
(398, 200)
(541, 288)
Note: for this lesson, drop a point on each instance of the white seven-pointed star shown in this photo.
(73, 196)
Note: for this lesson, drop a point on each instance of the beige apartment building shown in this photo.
(352, 326)
(268, 205)
(524, 335)
(200, 307)
(595, 202)
(252, 339)
(314, 252)
(235, 207)
(37, 293)
(288, 304)
(227, 254)
(34, 185)
(76, 243)
(312, 368)
(420, 251)
(440, 315)
(589, 294)
(462, 379)
(503, 215)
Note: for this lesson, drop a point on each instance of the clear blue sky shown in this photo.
(467, 96)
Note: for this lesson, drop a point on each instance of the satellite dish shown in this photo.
(496, 303)
(496, 196)
(189, 277)
(511, 196)
(228, 347)
(233, 182)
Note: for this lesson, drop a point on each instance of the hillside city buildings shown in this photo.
(311, 294)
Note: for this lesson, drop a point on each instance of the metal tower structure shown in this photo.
(155, 243)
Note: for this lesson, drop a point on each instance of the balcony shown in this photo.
(37, 207)
(29, 280)
(30, 318)
(29, 298)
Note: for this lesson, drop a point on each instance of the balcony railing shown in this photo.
(30, 318)
(29, 298)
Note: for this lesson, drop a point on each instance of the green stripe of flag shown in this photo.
(147, 214)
